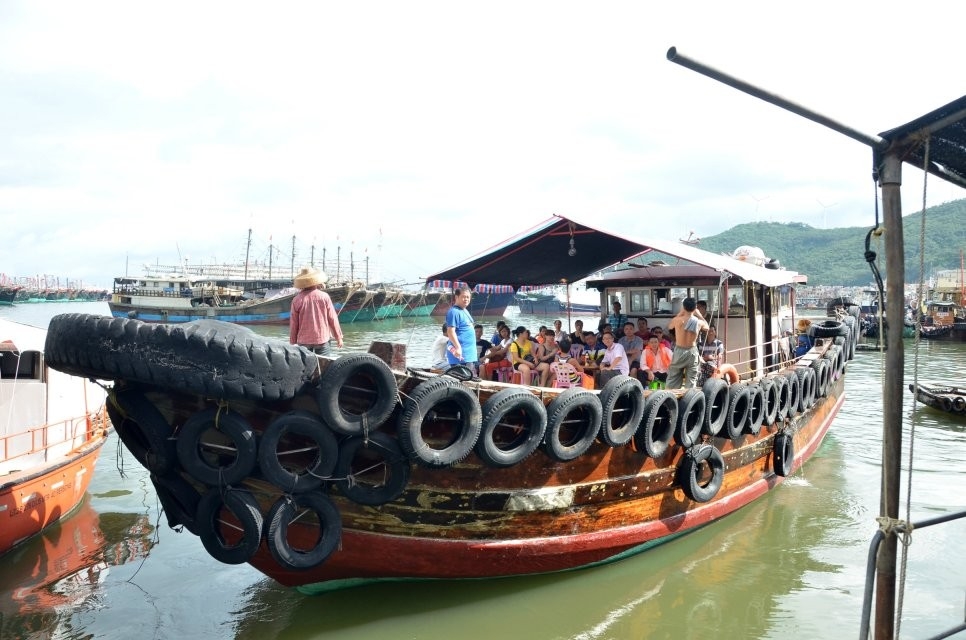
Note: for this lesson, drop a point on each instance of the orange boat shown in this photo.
(52, 427)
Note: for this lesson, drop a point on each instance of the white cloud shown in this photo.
(135, 133)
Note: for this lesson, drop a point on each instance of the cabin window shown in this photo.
(639, 302)
(736, 301)
(19, 365)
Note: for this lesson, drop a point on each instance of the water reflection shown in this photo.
(46, 579)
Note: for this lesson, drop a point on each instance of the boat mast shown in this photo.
(248, 249)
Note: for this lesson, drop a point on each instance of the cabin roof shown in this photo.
(540, 256)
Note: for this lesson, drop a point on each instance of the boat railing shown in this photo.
(901, 529)
(74, 432)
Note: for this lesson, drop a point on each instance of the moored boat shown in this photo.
(949, 398)
(324, 473)
(183, 299)
(52, 427)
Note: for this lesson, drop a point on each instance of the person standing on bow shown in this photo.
(460, 330)
(683, 370)
(314, 321)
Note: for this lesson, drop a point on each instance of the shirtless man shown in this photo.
(683, 370)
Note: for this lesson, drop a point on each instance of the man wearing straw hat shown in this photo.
(314, 321)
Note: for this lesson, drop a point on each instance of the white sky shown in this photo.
(133, 132)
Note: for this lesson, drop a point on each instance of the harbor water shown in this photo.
(791, 565)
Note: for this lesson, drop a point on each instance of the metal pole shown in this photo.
(775, 99)
(890, 174)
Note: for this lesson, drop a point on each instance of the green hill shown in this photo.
(837, 256)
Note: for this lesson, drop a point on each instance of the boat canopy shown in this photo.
(515, 263)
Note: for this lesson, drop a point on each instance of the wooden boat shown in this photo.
(944, 397)
(943, 320)
(8, 294)
(324, 473)
(52, 427)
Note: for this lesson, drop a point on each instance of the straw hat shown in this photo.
(309, 277)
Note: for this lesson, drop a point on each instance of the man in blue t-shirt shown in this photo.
(460, 330)
(617, 319)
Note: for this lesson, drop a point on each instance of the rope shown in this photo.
(907, 538)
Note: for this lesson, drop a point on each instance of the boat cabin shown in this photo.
(174, 292)
(751, 319)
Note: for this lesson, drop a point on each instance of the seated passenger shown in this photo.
(712, 349)
(438, 351)
(804, 340)
(615, 359)
(657, 358)
(521, 355)
(498, 356)
(593, 352)
(566, 370)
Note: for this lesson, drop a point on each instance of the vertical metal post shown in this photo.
(890, 175)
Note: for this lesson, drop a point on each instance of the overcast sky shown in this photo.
(422, 133)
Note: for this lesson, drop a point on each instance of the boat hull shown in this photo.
(404, 510)
(271, 312)
(36, 498)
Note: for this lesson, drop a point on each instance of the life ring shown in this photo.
(217, 463)
(357, 394)
(179, 499)
(143, 430)
(780, 383)
(784, 454)
(297, 452)
(806, 382)
(622, 405)
(290, 509)
(573, 420)
(657, 427)
(769, 390)
(372, 470)
(439, 410)
(689, 473)
(794, 394)
(715, 405)
(739, 403)
(828, 329)
(756, 409)
(691, 408)
(728, 371)
(227, 541)
(514, 423)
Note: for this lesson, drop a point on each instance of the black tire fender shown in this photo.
(373, 470)
(715, 405)
(739, 403)
(769, 389)
(290, 468)
(794, 394)
(212, 358)
(784, 397)
(756, 409)
(689, 472)
(229, 542)
(784, 453)
(357, 394)
(806, 382)
(829, 329)
(449, 412)
(690, 417)
(622, 403)
(514, 424)
(820, 368)
(657, 427)
(289, 509)
(573, 420)
(143, 430)
(204, 463)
